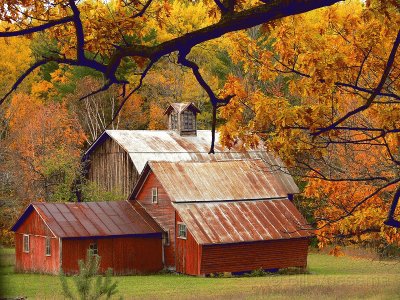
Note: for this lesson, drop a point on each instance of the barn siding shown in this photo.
(111, 168)
(251, 256)
(162, 212)
(123, 255)
(188, 253)
(36, 260)
(34, 224)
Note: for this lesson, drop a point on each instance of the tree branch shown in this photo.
(272, 10)
(373, 95)
(143, 10)
(390, 221)
(149, 66)
(215, 101)
(38, 28)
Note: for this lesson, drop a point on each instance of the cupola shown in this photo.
(182, 118)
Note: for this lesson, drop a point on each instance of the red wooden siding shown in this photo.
(125, 255)
(34, 224)
(162, 212)
(188, 253)
(36, 260)
(251, 256)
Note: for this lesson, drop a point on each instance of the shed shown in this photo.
(50, 236)
(223, 216)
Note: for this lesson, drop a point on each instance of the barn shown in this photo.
(117, 157)
(51, 236)
(187, 210)
(223, 216)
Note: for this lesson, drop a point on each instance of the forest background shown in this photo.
(320, 89)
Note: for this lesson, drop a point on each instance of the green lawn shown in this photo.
(329, 278)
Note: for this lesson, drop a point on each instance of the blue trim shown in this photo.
(22, 218)
(139, 235)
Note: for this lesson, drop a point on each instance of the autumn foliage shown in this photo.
(320, 89)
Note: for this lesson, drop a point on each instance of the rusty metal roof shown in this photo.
(218, 180)
(93, 219)
(162, 145)
(243, 221)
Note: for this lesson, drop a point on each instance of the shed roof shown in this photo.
(229, 180)
(243, 221)
(93, 219)
(162, 145)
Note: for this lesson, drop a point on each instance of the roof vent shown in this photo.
(182, 118)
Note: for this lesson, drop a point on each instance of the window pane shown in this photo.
(48, 246)
(182, 231)
(26, 243)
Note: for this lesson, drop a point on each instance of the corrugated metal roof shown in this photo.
(243, 221)
(191, 181)
(95, 219)
(162, 145)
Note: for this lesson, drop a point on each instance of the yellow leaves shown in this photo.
(336, 251)
(41, 89)
(157, 119)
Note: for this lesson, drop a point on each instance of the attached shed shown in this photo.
(224, 216)
(239, 236)
(50, 236)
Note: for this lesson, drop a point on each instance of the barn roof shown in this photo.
(93, 219)
(179, 107)
(217, 180)
(162, 145)
(243, 221)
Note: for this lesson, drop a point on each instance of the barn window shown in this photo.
(154, 195)
(166, 238)
(182, 231)
(188, 120)
(93, 248)
(174, 121)
(26, 243)
(48, 246)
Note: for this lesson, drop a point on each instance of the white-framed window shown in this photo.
(48, 246)
(182, 232)
(188, 120)
(154, 195)
(93, 248)
(166, 238)
(25, 241)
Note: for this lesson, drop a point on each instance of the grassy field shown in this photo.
(329, 278)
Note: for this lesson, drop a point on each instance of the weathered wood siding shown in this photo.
(112, 169)
(36, 260)
(188, 253)
(125, 255)
(241, 257)
(162, 212)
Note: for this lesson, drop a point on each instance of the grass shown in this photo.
(329, 278)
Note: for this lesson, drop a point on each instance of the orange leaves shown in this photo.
(45, 142)
(157, 119)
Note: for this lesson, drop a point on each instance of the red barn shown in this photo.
(50, 236)
(223, 216)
